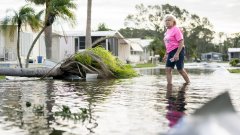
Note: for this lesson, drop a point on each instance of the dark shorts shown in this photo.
(179, 63)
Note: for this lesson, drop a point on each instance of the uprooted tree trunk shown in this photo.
(68, 67)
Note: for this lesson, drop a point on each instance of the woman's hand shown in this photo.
(176, 57)
(165, 58)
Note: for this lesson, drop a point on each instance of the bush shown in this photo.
(234, 62)
(83, 58)
(2, 77)
(234, 70)
(119, 69)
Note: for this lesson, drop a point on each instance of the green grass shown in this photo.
(2, 77)
(234, 70)
(145, 65)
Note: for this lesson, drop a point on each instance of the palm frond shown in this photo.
(9, 22)
(5, 23)
(37, 2)
(63, 9)
(39, 14)
(15, 13)
(26, 10)
(25, 16)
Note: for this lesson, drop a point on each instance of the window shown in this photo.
(133, 53)
(82, 43)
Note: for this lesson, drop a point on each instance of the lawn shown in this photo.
(234, 70)
(2, 77)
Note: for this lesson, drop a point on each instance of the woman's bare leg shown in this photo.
(184, 75)
(169, 75)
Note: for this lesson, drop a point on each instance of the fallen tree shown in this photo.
(94, 61)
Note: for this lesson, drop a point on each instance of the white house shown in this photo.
(212, 56)
(139, 49)
(72, 42)
(62, 47)
(233, 53)
(135, 48)
(146, 55)
(65, 45)
(8, 46)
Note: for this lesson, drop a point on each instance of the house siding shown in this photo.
(10, 46)
(26, 40)
(67, 47)
(2, 49)
(123, 50)
(55, 49)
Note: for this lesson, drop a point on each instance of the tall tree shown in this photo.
(48, 30)
(24, 16)
(48, 33)
(138, 33)
(56, 9)
(157, 47)
(236, 39)
(88, 40)
(103, 27)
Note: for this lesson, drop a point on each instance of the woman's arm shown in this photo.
(165, 57)
(181, 45)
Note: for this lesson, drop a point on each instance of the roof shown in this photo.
(233, 49)
(134, 45)
(145, 42)
(58, 33)
(94, 33)
(142, 42)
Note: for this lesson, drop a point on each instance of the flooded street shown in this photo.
(144, 105)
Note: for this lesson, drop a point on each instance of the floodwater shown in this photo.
(144, 105)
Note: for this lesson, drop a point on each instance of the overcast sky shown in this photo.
(223, 14)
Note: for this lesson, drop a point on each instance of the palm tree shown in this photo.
(88, 40)
(48, 30)
(25, 16)
(56, 9)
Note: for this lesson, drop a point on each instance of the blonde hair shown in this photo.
(171, 16)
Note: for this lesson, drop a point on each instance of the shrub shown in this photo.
(119, 69)
(234, 70)
(83, 58)
(234, 62)
(2, 77)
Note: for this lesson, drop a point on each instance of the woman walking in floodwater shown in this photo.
(174, 42)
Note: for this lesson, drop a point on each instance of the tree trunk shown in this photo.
(18, 46)
(25, 72)
(34, 42)
(48, 34)
(88, 41)
(48, 42)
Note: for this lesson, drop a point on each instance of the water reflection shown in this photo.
(175, 103)
(86, 95)
(31, 108)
